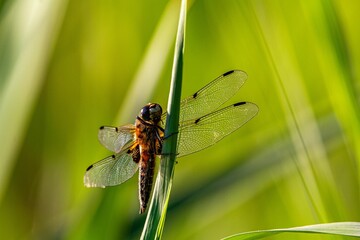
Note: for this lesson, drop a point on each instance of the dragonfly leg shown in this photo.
(170, 135)
(135, 153)
(175, 133)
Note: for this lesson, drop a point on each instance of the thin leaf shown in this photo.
(157, 212)
(337, 228)
(27, 41)
(148, 73)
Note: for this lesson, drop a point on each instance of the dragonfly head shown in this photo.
(151, 112)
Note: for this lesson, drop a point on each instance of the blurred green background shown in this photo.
(68, 67)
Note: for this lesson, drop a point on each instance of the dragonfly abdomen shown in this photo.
(147, 137)
(146, 176)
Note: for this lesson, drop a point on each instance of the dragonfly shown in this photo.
(202, 124)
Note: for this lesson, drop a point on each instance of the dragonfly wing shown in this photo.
(116, 138)
(200, 133)
(212, 96)
(110, 171)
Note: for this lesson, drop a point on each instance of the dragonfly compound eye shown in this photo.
(151, 112)
(155, 112)
(145, 113)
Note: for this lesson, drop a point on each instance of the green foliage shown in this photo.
(343, 229)
(68, 67)
(155, 220)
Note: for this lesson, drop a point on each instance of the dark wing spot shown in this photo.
(116, 129)
(113, 156)
(239, 103)
(197, 120)
(227, 73)
(102, 127)
(90, 167)
(195, 95)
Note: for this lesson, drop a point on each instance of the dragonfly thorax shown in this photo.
(151, 112)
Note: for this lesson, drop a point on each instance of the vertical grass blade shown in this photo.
(28, 30)
(152, 64)
(157, 212)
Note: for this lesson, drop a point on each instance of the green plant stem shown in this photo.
(155, 219)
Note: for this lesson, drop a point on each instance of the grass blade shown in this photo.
(337, 228)
(157, 212)
(148, 73)
(26, 44)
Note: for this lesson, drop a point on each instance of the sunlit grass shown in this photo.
(25, 45)
(155, 220)
(295, 164)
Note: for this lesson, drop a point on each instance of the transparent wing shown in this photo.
(212, 96)
(197, 134)
(110, 171)
(116, 138)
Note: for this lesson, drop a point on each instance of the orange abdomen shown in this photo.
(146, 138)
(146, 178)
